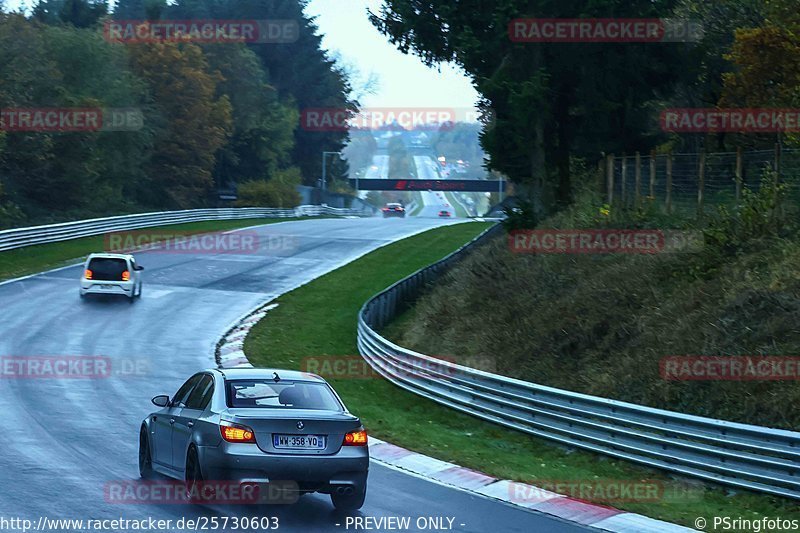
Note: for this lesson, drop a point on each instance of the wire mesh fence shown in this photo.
(696, 183)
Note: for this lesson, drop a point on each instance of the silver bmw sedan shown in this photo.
(258, 427)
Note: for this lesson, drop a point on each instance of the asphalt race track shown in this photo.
(65, 440)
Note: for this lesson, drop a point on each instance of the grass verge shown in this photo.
(41, 257)
(319, 320)
(419, 206)
(459, 209)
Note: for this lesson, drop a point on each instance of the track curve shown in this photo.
(64, 440)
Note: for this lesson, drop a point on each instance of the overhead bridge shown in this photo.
(429, 185)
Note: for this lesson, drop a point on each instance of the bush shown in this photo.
(10, 214)
(521, 216)
(759, 216)
(280, 191)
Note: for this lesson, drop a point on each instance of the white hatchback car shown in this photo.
(112, 274)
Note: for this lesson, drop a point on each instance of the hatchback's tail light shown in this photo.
(355, 438)
(126, 276)
(87, 274)
(236, 433)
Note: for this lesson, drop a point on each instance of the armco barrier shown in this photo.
(739, 455)
(21, 237)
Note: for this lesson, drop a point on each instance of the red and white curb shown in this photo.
(230, 350)
(533, 498)
(230, 354)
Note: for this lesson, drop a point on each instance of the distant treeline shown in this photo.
(213, 115)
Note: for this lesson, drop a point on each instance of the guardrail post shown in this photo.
(701, 182)
(738, 174)
(652, 175)
(623, 180)
(610, 179)
(637, 199)
(669, 183)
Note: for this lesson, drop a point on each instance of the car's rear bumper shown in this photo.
(246, 463)
(107, 287)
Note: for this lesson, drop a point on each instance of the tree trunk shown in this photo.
(564, 189)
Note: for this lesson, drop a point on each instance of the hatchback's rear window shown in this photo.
(107, 268)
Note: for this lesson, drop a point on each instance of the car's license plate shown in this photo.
(299, 442)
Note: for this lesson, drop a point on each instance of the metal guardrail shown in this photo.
(739, 455)
(21, 237)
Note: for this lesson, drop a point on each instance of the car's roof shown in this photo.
(267, 373)
(110, 256)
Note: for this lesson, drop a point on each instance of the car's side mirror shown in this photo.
(137, 267)
(162, 400)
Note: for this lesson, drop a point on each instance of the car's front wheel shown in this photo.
(145, 459)
(349, 502)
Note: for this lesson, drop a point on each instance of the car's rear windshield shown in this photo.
(267, 393)
(107, 268)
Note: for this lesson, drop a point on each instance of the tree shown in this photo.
(139, 9)
(300, 70)
(30, 79)
(195, 121)
(263, 125)
(550, 100)
(79, 13)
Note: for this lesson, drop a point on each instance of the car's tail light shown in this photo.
(87, 274)
(236, 433)
(126, 276)
(355, 438)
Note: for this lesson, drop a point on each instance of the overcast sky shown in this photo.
(402, 81)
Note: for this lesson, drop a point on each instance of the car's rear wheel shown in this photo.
(194, 474)
(145, 460)
(349, 502)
